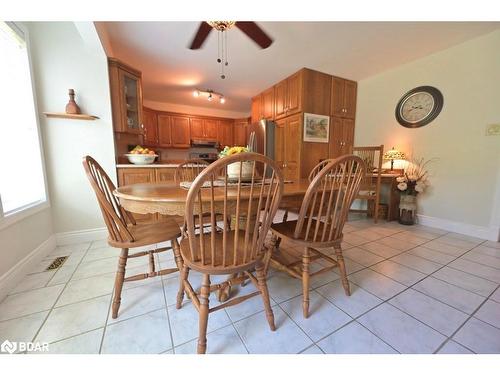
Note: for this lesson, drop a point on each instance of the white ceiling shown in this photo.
(354, 50)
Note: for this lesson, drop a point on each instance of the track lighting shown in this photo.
(210, 95)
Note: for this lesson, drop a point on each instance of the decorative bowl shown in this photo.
(141, 159)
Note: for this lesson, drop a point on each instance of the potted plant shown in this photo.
(414, 181)
(233, 170)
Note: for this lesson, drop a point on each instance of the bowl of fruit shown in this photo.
(140, 155)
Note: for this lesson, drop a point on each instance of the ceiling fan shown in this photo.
(251, 29)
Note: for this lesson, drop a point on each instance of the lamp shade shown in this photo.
(393, 154)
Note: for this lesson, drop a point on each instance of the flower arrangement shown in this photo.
(228, 151)
(414, 179)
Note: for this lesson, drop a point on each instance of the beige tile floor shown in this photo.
(414, 290)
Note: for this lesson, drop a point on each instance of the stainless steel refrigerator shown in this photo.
(261, 137)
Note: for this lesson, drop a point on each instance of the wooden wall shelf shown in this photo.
(70, 116)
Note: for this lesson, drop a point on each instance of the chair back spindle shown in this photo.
(115, 217)
(248, 200)
(327, 201)
(189, 170)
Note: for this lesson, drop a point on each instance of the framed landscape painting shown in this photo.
(316, 128)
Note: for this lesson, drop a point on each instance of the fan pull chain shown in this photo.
(222, 52)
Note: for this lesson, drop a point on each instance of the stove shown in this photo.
(205, 150)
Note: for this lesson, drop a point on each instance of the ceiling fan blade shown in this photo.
(201, 35)
(254, 32)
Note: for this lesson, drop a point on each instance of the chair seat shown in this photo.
(218, 268)
(286, 230)
(148, 234)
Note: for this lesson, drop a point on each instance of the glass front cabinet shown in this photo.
(126, 97)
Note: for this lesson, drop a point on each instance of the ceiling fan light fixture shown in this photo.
(196, 93)
(222, 100)
(221, 25)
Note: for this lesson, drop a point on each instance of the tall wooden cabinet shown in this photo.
(308, 91)
(287, 147)
(343, 98)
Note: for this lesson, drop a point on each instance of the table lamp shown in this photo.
(392, 155)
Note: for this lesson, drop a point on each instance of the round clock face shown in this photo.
(419, 106)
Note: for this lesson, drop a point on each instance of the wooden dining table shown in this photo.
(168, 198)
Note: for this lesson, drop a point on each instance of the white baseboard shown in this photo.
(77, 236)
(486, 233)
(11, 278)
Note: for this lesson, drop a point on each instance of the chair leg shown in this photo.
(177, 254)
(183, 277)
(261, 281)
(203, 314)
(306, 260)
(343, 273)
(120, 276)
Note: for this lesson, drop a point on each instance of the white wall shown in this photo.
(62, 59)
(465, 188)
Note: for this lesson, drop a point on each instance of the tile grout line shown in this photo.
(165, 299)
(466, 320)
(57, 299)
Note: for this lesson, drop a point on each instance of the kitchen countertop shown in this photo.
(162, 164)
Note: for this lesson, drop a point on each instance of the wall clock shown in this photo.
(419, 106)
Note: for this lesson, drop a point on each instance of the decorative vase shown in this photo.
(407, 209)
(72, 108)
(233, 170)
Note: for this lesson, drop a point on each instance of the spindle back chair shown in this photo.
(370, 185)
(320, 223)
(188, 170)
(125, 233)
(251, 201)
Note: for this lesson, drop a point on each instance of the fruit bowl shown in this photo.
(141, 158)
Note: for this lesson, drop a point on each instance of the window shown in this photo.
(22, 182)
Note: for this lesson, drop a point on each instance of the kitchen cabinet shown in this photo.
(288, 96)
(287, 144)
(267, 104)
(126, 97)
(203, 128)
(225, 133)
(164, 131)
(181, 137)
(128, 176)
(240, 132)
(343, 98)
(164, 174)
(342, 136)
(256, 108)
(150, 127)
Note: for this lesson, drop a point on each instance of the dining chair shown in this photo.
(188, 170)
(252, 202)
(317, 168)
(370, 185)
(124, 233)
(320, 223)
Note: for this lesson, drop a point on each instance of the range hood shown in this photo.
(204, 143)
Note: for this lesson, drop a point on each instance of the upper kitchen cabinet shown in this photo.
(181, 136)
(288, 96)
(343, 103)
(126, 97)
(240, 132)
(225, 133)
(203, 128)
(256, 108)
(267, 104)
(164, 130)
(150, 127)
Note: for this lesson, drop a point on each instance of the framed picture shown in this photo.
(316, 128)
